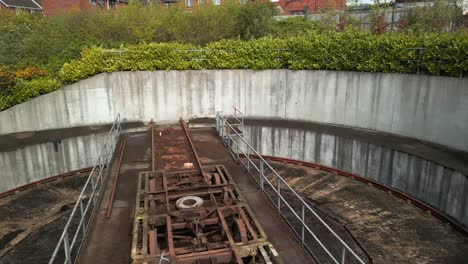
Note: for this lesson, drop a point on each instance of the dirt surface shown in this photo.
(31, 221)
(388, 228)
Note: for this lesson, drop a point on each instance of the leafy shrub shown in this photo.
(7, 80)
(48, 42)
(351, 50)
(26, 90)
(31, 73)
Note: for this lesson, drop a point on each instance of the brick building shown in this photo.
(287, 7)
(301, 7)
(51, 7)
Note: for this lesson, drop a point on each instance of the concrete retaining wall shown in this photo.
(36, 161)
(39, 161)
(434, 184)
(424, 107)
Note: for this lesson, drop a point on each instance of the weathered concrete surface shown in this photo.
(36, 162)
(430, 182)
(22, 139)
(389, 229)
(429, 108)
(32, 221)
(49, 153)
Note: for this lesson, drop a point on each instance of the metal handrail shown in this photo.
(102, 168)
(231, 137)
(238, 116)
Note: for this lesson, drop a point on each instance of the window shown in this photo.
(216, 2)
(188, 3)
(297, 12)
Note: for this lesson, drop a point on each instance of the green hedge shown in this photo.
(443, 54)
(26, 90)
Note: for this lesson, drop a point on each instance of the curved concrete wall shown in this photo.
(434, 184)
(424, 107)
(39, 161)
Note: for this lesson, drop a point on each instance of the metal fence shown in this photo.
(316, 236)
(77, 226)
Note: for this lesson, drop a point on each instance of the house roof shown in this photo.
(27, 4)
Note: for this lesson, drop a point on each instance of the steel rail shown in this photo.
(184, 126)
(420, 204)
(116, 179)
(222, 124)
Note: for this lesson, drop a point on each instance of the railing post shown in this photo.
(83, 218)
(303, 225)
(248, 158)
(343, 255)
(217, 123)
(261, 175)
(221, 127)
(92, 178)
(279, 195)
(66, 247)
(237, 144)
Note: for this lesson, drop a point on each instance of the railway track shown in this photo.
(172, 149)
(188, 213)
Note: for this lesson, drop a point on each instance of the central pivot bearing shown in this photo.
(189, 202)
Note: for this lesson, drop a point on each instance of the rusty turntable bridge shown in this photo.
(174, 194)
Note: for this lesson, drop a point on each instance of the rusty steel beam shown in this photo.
(152, 189)
(152, 242)
(170, 239)
(230, 239)
(184, 126)
(116, 178)
(422, 205)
